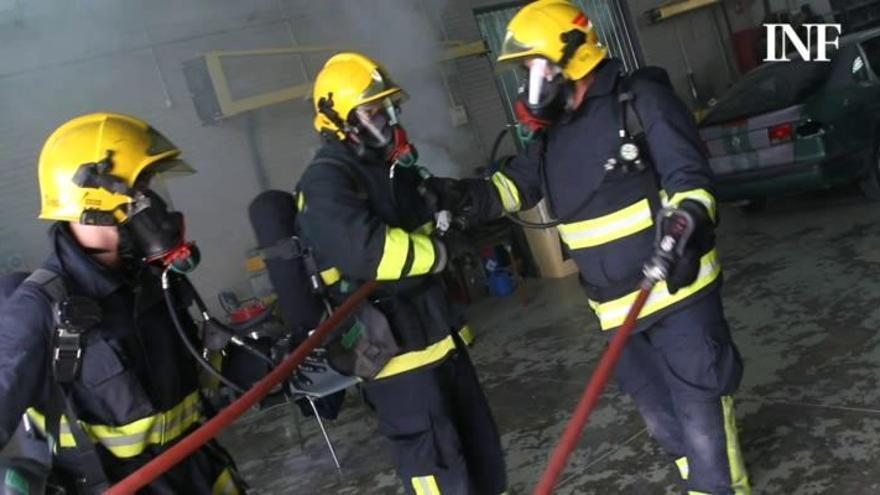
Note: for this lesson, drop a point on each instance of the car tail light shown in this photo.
(780, 133)
(809, 128)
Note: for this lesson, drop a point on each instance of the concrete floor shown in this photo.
(800, 294)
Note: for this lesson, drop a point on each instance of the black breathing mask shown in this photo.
(546, 93)
(375, 131)
(159, 235)
(150, 232)
(551, 103)
(378, 130)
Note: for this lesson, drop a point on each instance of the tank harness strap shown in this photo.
(66, 354)
(633, 131)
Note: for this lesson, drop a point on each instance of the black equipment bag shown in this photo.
(363, 344)
(273, 215)
(653, 73)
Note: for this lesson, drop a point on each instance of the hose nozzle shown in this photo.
(675, 227)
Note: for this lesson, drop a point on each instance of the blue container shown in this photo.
(501, 283)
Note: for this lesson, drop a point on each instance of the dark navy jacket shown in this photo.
(369, 226)
(134, 364)
(611, 237)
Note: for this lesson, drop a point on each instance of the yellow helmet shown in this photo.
(558, 31)
(88, 165)
(347, 81)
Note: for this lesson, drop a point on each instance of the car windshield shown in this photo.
(769, 88)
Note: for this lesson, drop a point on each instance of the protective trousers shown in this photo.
(208, 471)
(681, 372)
(442, 433)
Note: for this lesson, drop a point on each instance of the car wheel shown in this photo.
(753, 206)
(870, 183)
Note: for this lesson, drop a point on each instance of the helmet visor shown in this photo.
(512, 48)
(542, 81)
(380, 87)
(374, 122)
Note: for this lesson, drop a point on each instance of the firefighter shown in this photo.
(361, 212)
(607, 152)
(87, 336)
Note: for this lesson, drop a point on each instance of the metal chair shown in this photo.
(320, 384)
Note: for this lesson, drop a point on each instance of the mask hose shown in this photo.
(203, 309)
(178, 326)
(538, 225)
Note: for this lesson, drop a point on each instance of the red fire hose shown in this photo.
(591, 394)
(189, 444)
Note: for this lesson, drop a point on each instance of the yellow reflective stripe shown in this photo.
(739, 478)
(394, 254)
(612, 313)
(607, 228)
(425, 485)
(331, 275)
(225, 484)
(427, 228)
(39, 421)
(300, 201)
(131, 439)
(700, 195)
(423, 255)
(683, 469)
(508, 192)
(467, 335)
(692, 492)
(416, 359)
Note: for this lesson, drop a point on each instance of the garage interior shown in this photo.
(230, 82)
(807, 407)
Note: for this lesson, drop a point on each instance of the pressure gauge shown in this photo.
(629, 152)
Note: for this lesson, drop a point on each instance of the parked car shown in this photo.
(800, 125)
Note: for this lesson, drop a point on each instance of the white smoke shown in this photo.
(405, 37)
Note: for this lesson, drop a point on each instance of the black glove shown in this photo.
(450, 195)
(684, 269)
(458, 246)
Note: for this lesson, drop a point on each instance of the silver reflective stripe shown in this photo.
(164, 430)
(608, 228)
(131, 439)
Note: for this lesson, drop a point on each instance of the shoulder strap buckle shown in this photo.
(67, 356)
(73, 316)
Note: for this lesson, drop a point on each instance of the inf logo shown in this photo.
(814, 48)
